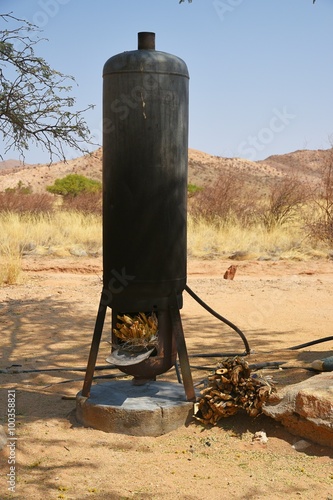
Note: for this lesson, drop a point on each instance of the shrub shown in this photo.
(87, 203)
(73, 185)
(228, 199)
(322, 228)
(285, 198)
(19, 189)
(13, 201)
(192, 189)
(10, 270)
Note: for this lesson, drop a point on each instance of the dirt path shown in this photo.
(47, 322)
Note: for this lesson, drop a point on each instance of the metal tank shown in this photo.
(145, 148)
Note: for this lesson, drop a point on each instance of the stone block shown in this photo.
(306, 409)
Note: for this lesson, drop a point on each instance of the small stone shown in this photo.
(301, 445)
(260, 437)
(27, 248)
(240, 255)
(78, 252)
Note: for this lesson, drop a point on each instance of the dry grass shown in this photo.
(10, 269)
(66, 229)
(64, 233)
(10, 255)
(57, 233)
(207, 240)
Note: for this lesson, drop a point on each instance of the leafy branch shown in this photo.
(35, 101)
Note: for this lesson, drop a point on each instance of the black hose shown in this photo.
(16, 369)
(266, 364)
(218, 355)
(307, 344)
(221, 318)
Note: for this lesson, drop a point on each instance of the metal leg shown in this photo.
(182, 351)
(179, 378)
(94, 350)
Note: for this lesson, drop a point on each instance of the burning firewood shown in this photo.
(231, 388)
(137, 332)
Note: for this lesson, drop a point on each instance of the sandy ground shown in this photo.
(47, 322)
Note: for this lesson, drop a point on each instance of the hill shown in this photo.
(204, 168)
(39, 176)
(306, 163)
(9, 164)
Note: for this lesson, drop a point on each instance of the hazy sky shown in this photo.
(261, 72)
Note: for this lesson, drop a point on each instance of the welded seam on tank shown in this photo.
(146, 71)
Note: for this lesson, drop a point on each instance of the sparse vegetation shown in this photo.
(16, 201)
(192, 189)
(221, 203)
(321, 228)
(86, 203)
(282, 219)
(58, 233)
(10, 268)
(232, 217)
(65, 233)
(19, 189)
(207, 240)
(286, 197)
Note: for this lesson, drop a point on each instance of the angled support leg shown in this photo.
(94, 350)
(182, 351)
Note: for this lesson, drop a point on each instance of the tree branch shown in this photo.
(35, 104)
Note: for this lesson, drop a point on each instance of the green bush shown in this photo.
(20, 188)
(192, 189)
(74, 184)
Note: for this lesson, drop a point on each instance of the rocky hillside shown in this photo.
(39, 176)
(8, 164)
(204, 169)
(306, 163)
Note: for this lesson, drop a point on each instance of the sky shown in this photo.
(261, 72)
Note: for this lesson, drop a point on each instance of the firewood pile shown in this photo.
(231, 388)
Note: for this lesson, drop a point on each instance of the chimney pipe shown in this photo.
(146, 40)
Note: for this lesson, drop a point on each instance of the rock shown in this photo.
(301, 445)
(3, 438)
(264, 258)
(306, 409)
(27, 248)
(260, 437)
(230, 273)
(78, 252)
(242, 255)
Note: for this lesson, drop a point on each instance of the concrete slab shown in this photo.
(119, 406)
